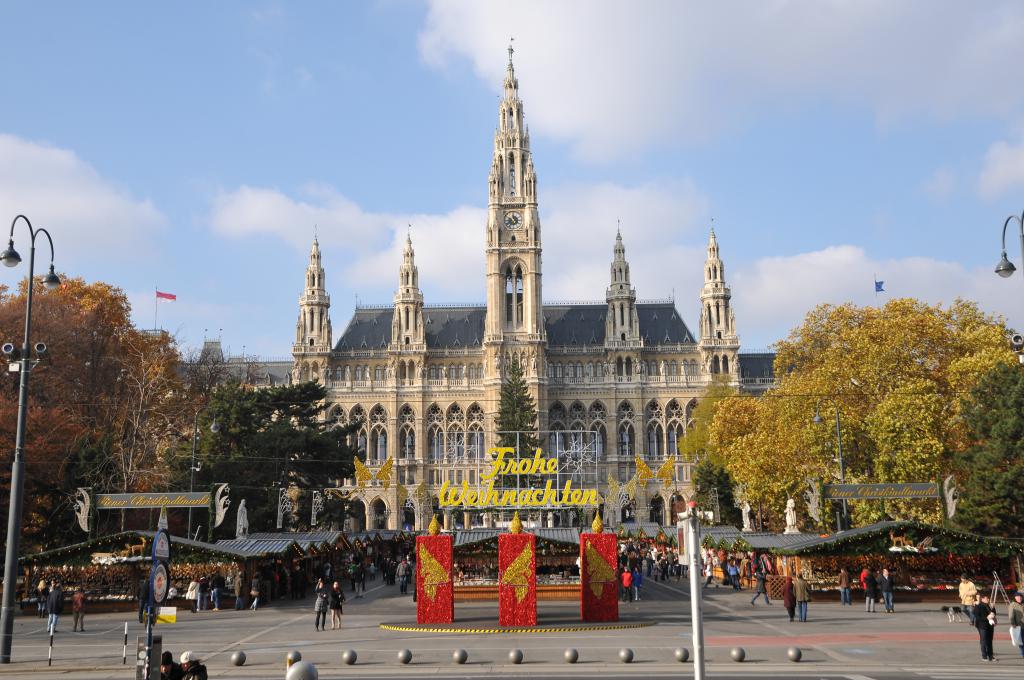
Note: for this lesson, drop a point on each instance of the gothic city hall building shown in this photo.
(615, 381)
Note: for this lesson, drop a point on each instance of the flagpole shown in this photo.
(156, 305)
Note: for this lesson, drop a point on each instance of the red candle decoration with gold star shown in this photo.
(435, 591)
(517, 577)
(599, 589)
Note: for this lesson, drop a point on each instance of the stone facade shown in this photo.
(619, 378)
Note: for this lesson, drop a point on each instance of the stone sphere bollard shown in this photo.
(794, 654)
(404, 656)
(349, 657)
(571, 655)
(682, 654)
(737, 654)
(626, 655)
(238, 658)
(302, 670)
(460, 656)
(293, 656)
(515, 656)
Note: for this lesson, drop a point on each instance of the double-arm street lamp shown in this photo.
(844, 520)
(11, 258)
(193, 469)
(1005, 268)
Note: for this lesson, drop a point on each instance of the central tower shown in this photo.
(514, 312)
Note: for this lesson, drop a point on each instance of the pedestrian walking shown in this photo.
(217, 586)
(761, 588)
(802, 593)
(169, 669)
(54, 606)
(238, 584)
(402, 572)
(192, 594)
(985, 622)
(734, 574)
(870, 592)
(885, 584)
(968, 596)
(1017, 621)
(254, 592)
(42, 592)
(203, 593)
(337, 598)
(638, 582)
(844, 587)
(627, 585)
(321, 600)
(789, 598)
(143, 598)
(78, 610)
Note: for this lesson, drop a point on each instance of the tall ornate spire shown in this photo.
(622, 323)
(407, 330)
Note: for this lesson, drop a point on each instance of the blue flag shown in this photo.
(878, 286)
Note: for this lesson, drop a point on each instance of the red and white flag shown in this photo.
(169, 297)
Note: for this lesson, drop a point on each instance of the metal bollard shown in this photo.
(293, 657)
(124, 652)
(737, 654)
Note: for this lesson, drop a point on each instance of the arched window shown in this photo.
(714, 364)
(626, 440)
(599, 440)
(654, 441)
(509, 297)
(408, 443)
(436, 444)
(476, 442)
(725, 364)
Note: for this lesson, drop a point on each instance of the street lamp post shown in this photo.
(11, 258)
(214, 428)
(1005, 268)
(845, 521)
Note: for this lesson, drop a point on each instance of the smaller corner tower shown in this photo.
(312, 346)
(719, 343)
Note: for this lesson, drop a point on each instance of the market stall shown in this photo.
(476, 563)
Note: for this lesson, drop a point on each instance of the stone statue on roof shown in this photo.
(791, 527)
(242, 521)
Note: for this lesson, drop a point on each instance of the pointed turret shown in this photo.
(622, 324)
(313, 328)
(718, 340)
(407, 322)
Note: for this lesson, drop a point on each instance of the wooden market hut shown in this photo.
(925, 559)
(476, 563)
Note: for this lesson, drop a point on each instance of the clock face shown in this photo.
(513, 220)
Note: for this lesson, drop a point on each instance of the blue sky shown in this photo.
(194, 147)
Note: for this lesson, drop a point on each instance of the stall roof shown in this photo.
(120, 540)
(863, 540)
(305, 539)
(254, 547)
(566, 535)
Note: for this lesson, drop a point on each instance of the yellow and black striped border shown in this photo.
(519, 631)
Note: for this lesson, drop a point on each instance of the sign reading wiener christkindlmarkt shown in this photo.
(856, 492)
(564, 476)
(176, 499)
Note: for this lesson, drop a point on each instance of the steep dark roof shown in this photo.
(757, 365)
(569, 324)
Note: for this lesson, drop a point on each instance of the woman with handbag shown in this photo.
(321, 596)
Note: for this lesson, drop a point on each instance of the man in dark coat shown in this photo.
(54, 606)
(885, 584)
(985, 621)
(761, 588)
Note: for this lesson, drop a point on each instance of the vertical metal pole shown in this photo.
(17, 483)
(192, 468)
(696, 592)
(842, 468)
(124, 652)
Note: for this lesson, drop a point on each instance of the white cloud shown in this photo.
(773, 294)
(613, 78)
(940, 184)
(362, 250)
(87, 215)
(1002, 169)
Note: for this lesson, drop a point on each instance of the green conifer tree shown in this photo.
(517, 412)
